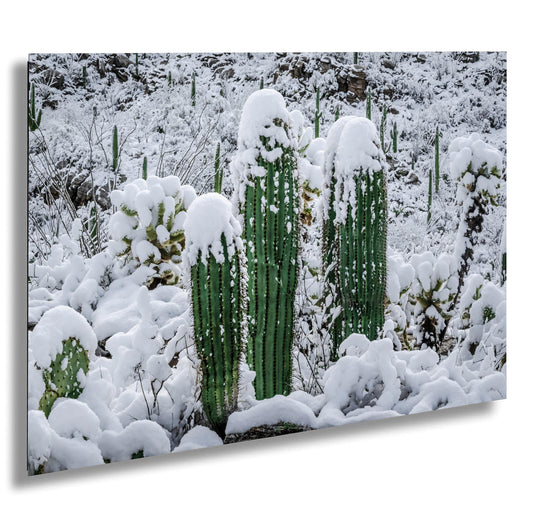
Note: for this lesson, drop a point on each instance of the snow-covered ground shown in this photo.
(97, 275)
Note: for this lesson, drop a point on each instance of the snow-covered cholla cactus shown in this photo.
(61, 346)
(477, 167)
(434, 288)
(310, 172)
(267, 188)
(355, 228)
(400, 277)
(214, 252)
(482, 310)
(147, 229)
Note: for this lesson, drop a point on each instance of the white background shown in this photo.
(474, 460)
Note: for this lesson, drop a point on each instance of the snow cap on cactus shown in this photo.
(264, 115)
(56, 326)
(358, 147)
(473, 152)
(472, 149)
(209, 217)
(352, 148)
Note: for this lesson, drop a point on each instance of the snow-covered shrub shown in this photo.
(477, 167)
(65, 277)
(374, 381)
(355, 227)
(139, 439)
(214, 252)
(61, 345)
(66, 440)
(434, 288)
(147, 229)
(267, 189)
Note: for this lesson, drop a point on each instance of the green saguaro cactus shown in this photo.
(267, 188)
(355, 229)
(214, 253)
(61, 379)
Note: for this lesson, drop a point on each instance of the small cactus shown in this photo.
(369, 103)
(437, 161)
(145, 168)
(34, 119)
(218, 171)
(318, 114)
(114, 165)
(193, 89)
(430, 194)
(394, 136)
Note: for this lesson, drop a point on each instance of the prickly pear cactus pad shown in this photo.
(233, 246)
(62, 344)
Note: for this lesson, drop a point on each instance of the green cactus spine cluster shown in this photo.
(354, 257)
(34, 118)
(270, 212)
(218, 171)
(218, 311)
(61, 378)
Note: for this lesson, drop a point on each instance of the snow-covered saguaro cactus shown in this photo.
(147, 229)
(477, 167)
(355, 228)
(267, 186)
(433, 290)
(214, 252)
(61, 346)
